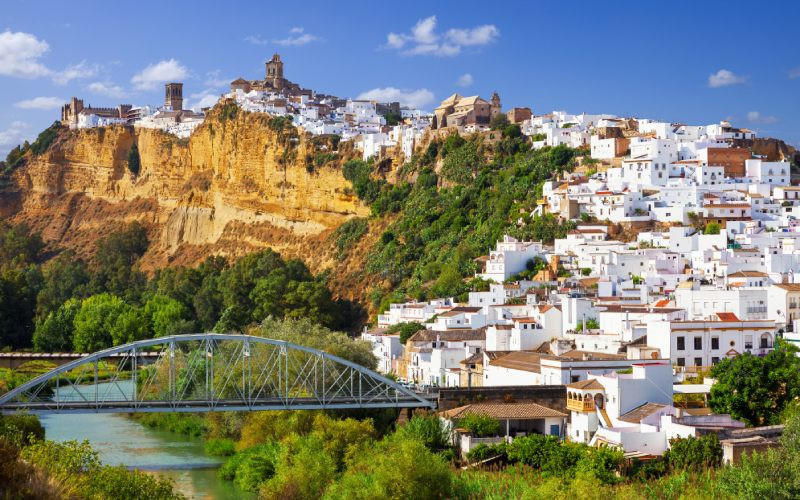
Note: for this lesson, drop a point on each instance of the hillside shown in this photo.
(241, 183)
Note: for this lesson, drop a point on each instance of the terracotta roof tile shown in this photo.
(504, 411)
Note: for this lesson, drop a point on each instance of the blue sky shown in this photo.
(694, 62)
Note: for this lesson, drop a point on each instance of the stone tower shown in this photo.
(496, 107)
(173, 96)
(275, 72)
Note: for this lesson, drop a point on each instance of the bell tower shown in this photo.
(275, 72)
(173, 96)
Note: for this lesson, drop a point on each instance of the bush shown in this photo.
(134, 161)
(349, 233)
(21, 430)
(45, 138)
(603, 463)
(406, 330)
(482, 452)
(428, 430)
(694, 454)
(394, 468)
(460, 165)
(547, 453)
(480, 425)
(220, 447)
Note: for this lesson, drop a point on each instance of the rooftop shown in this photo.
(504, 411)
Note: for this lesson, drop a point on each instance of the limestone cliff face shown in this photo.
(239, 184)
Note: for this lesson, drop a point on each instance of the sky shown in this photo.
(691, 62)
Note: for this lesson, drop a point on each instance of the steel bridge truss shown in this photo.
(207, 372)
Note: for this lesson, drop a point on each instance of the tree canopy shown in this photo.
(756, 389)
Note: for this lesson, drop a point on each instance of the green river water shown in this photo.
(121, 440)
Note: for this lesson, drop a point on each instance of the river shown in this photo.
(121, 440)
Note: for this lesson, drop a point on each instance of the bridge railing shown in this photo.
(208, 372)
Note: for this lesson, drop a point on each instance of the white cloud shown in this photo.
(297, 37)
(422, 39)
(256, 40)
(76, 71)
(107, 89)
(160, 72)
(757, 117)
(15, 134)
(425, 31)
(204, 99)
(465, 80)
(475, 36)
(794, 73)
(20, 54)
(213, 79)
(415, 98)
(724, 78)
(40, 103)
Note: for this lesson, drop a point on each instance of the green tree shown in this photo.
(695, 454)
(394, 468)
(55, 332)
(480, 425)
(428, 430)
(460, 165)
(134, 161)
(303, 469)
(19, 247)
(712, 228)
(406, 330)
(18, 289)
(756, 389)
(65, 277)
(167, 316)
(115, 261)
(131, 324)
(96, 320)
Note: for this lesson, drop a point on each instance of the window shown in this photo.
(698, 361)
(698, 343)
(681, 343)
(714, 360)
(715, 342)
(680, 362)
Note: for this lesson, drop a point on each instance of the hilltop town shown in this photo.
(675, 246)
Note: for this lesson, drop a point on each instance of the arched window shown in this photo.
(599, 400)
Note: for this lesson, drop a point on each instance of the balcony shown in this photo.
(580, 405)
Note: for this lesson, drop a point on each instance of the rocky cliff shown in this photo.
(241, 183)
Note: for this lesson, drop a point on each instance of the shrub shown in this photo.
(251, 467)
(547, 453)
(428, 430)
(406, 330)
(21, 429)
(349, 233)
(228, 111)
(394, 468)
(482, 452)
(220, 447)
(134, 161)
(45, 138)
(695, 454)
(480, 425)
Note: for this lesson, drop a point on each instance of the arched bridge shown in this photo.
(208, 372)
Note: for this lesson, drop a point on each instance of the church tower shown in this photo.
(275, 72)
(173, 96)
(496, 108)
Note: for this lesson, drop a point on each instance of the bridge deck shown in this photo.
(44, 407)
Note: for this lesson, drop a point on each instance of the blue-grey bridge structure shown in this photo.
(208, 372)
